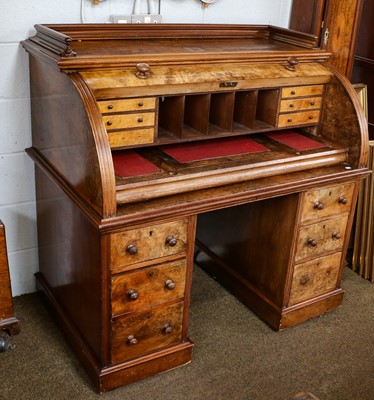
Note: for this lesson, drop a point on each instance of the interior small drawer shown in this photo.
(298, 118)
(327, 201)
(314, 278)
(300, 104)
(125, 105)
(146, 332)
(131, 137)
(302, 91)
(132, 247)
(148, 286)
(123, 121)
(321, 237)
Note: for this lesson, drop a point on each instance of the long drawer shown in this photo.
(143, 333)
(148, 287)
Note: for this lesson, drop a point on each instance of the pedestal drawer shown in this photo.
(149, 243)
(143, 333)
(148, 286)
(327, 201)
(321, 237)
(314, 278)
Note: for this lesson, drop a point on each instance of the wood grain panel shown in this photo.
(149, 331)
(300, 104)
(154, 285)
(298, 118)
(314, 278)
(125, 105)
(301, 91)
(324, 233)
(131, 137)
(333, 200)
(123, 121)
(151, 243)
(6, 302)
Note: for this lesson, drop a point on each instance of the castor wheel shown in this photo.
(4, 343)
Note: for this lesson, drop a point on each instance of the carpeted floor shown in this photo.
(236, 356)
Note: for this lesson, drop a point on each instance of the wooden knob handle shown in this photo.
(140, 119)
(132, 249)
(343, 200)
(304, 280)
(171, 241)
(132, 295)
(131, 340)
(292, 63)
(167, 329)
(170, 284)
(336, 235)
(142, 70)
(312, 242)
(318, 205)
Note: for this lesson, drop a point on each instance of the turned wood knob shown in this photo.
(132, 249)
(110, 107)
(141, 104)
(170, 284)
(312, 242)
(304, 280)
(336, 235)
(171, 241)
(343, 200)
(293, 92)
(318, 205)
(131, 340)
(292, 105)
(140, 119)
(109, 123)
(310, 117)
(142, 70)
(132, 294)
(292, 63)
(167, 329)
(289, 120)
(312, 103)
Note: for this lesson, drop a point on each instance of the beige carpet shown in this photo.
(236, 356)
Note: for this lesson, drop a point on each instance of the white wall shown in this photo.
(17, 18)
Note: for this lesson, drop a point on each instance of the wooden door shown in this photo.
(363, 69)
(334, 22)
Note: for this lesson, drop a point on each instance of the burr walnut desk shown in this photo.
(149, 139)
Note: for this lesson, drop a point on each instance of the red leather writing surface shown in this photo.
(295, 140)
(187, 152)
(128, 163)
